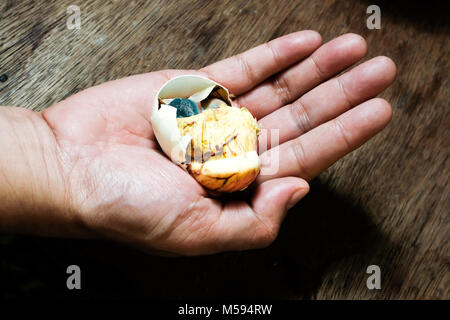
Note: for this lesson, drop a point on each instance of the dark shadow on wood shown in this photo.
(323, 229)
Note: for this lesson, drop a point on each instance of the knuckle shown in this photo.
(320, 73)
(340, 129)
(275, 54)
(266, 236)
(345, 94)
(281, 88)
(246, 68)
(300, 158)
(300, 114)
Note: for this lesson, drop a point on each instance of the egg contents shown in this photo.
(219, 134)
(185, 107)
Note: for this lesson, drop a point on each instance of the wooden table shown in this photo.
(386, 204)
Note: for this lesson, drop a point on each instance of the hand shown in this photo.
(120, 186)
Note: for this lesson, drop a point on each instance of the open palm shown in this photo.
(124, 188)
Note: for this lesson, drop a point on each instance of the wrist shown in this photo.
(33, 197)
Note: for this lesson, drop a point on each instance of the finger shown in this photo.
(330, 59)
(330, 99)
(237, 225)
(313, 152)
(242, 72)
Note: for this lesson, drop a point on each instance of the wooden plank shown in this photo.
(386, 204)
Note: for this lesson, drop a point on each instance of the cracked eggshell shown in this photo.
(164, 120)
(227, 174)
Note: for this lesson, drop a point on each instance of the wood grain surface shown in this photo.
(386, 204)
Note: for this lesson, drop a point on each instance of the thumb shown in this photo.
(273, 198)
(234, 225)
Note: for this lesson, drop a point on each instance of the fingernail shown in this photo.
(295, 197)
